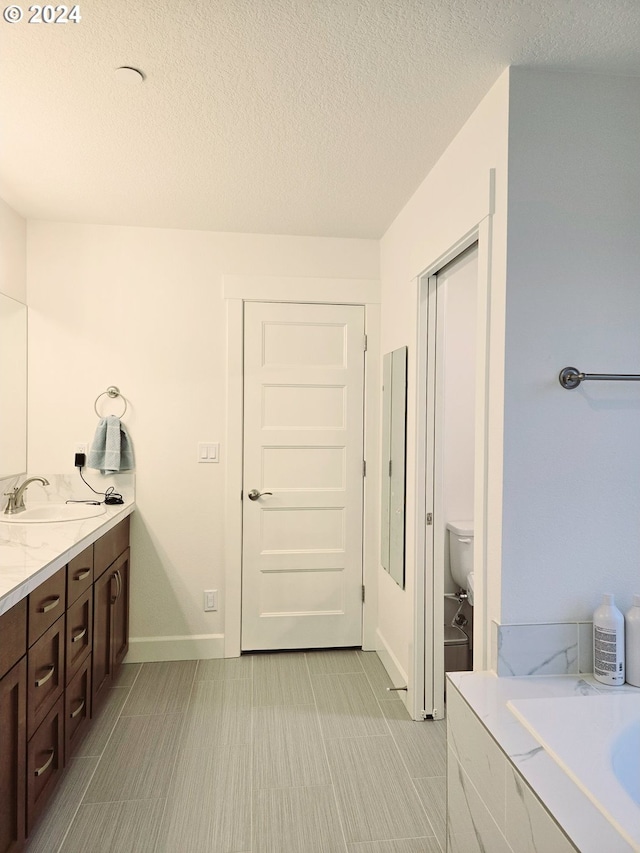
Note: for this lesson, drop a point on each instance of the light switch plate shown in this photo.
(210, 599)
(208, 451)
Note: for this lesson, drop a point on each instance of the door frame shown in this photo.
(337, 291)
(428, 671)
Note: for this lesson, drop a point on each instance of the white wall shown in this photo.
(571, 458)
(13, 253)
(450, 203)
(143, 309)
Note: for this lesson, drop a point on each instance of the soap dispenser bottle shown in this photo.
(632, 642)
(608, 643)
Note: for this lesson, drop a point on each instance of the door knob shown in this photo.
(254, 494)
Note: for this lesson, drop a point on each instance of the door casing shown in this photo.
(427, 697)
(240, 289)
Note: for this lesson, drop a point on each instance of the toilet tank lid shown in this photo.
(461, 528)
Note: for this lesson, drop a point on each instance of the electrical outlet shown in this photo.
(210, 599)
(81, 447)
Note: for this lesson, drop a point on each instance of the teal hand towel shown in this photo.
(111, 450)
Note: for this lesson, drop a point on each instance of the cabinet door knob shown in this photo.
(45, 678)
(40, 770)
(77, 637)
(77, 710)
(114, 595)
(47, 607)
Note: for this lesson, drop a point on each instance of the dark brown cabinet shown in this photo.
(46, 604)
(110, 608)
(59, 648)
(79, 633)
(111, 624)
(45, 674)
(79, 575)
(77, 708)
(13, 636)
(13, 740)
(13, 726)
(45, 760)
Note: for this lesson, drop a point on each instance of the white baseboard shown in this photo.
(196, 647)
(395, 672)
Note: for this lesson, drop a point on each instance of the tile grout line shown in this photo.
(326, 756)
(95, 769)
(175, 760)
(404, 764)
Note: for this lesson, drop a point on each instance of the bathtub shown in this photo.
(596, 740)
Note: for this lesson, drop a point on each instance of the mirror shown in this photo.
(13, 387)
(394, 437)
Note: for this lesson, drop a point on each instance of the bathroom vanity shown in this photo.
(64, 627)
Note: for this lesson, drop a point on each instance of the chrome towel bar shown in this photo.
(571, 377)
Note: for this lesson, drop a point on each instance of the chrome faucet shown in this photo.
(16, 496)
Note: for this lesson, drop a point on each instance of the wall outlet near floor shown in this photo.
(210, 599)
(81, 447)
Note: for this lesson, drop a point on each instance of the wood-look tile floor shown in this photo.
(289, 752)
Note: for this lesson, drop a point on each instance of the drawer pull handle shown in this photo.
(47, 607)
(40, 770)
(45, 678)
(78, 709)
(78, 637)
(82, 575)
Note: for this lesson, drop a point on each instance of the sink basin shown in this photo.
(51, 513)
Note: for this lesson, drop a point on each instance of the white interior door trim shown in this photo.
(427, 692)
(271, 288)
(237, 290)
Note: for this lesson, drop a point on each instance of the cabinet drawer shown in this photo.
(45, 760)
(79, 633)
(77, 708)
(45, 674)
(46, 604)
(79, 575)
(13, 636)
(110, 546)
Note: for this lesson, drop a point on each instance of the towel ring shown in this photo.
(111, 391)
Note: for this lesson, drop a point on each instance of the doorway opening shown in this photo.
(451, 461)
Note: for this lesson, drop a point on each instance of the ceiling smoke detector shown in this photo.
(129, 74)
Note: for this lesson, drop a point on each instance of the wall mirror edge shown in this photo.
(393, 481)
(13, 386)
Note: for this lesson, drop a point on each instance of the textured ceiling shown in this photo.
(270, 116)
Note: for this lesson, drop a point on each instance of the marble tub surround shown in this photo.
(556, 648)
(510, 793)
(564, 726)
(31, 553)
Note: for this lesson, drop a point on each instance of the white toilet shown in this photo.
(461, 555)
(457, 646)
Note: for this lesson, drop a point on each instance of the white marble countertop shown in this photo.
(488, 695)
(31, 553)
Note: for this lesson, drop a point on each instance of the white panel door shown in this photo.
(303, 452)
